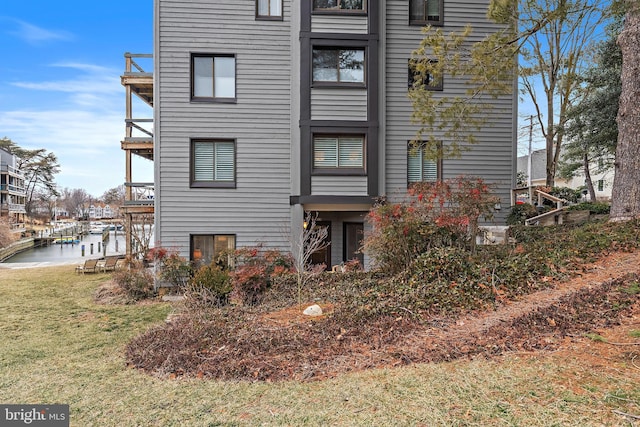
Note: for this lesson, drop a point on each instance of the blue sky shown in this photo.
(60, 84)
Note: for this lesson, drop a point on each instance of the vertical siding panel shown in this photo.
(492, 157)
(258, 208)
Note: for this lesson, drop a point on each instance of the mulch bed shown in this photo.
(240, 343)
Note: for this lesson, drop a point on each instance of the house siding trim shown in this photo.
(332, 200)
(370, 41)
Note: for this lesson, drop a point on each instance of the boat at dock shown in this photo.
(66, 240)
(97, 228)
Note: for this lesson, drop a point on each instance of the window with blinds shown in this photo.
(346, 151)
(213, 161)
(419, 168)
(425, 11)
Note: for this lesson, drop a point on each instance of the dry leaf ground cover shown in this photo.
(373, 322)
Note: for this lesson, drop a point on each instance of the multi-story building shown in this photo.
(12, 191)
(266, 109)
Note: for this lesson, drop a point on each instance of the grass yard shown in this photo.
(58, 346)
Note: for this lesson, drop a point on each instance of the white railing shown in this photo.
(13, 207)
(4, 167)
(141, 193)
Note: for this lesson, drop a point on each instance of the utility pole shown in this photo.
(530, 118)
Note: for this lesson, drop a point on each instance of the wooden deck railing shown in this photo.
(141, 193)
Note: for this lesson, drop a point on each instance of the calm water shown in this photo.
(68, 252)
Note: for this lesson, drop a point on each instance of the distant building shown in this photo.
(602, 181)
(12, 191)
(101, 211)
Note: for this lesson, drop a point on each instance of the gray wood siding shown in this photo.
(258, 209)
(338, 104)
(492, 157)
(339, 185)
(339, 24)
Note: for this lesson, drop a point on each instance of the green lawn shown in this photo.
(58, 346)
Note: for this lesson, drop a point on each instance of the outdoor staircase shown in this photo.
(556, 214)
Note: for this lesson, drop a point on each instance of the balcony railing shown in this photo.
(5, 168)
(13, 208)
(14, 189)
(141, 193)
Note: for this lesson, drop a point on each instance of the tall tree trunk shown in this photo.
(550, 136)
(587, 178)
(625, 198)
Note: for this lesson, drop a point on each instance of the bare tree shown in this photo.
(311, 239)
(553, 58)
(141, 233)
(76, 202)
(114, 196)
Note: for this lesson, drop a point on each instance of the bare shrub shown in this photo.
(136, 281)
(7, 237)
(209, 287)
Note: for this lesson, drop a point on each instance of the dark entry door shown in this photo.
(353, 235)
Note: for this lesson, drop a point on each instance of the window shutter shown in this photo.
(325, 152)
(351, 152)
(224, 161)
(414, 167)
(429, 170)
(203, 160)
(433, 9)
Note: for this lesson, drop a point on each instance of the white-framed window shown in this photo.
(212, 163)
(338, 152)
(338, 65)
(423, 12)
(340, 5)
(419, 167)
(213, 77)
(269, 9)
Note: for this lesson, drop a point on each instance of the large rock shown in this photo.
(313, 310)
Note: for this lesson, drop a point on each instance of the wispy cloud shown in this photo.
(35, 35)
(66, 130)
(87, 144)
(93, 79)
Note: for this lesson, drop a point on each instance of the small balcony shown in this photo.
(140, 197)
(14, 190)
(12, 208)
(11, 171)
